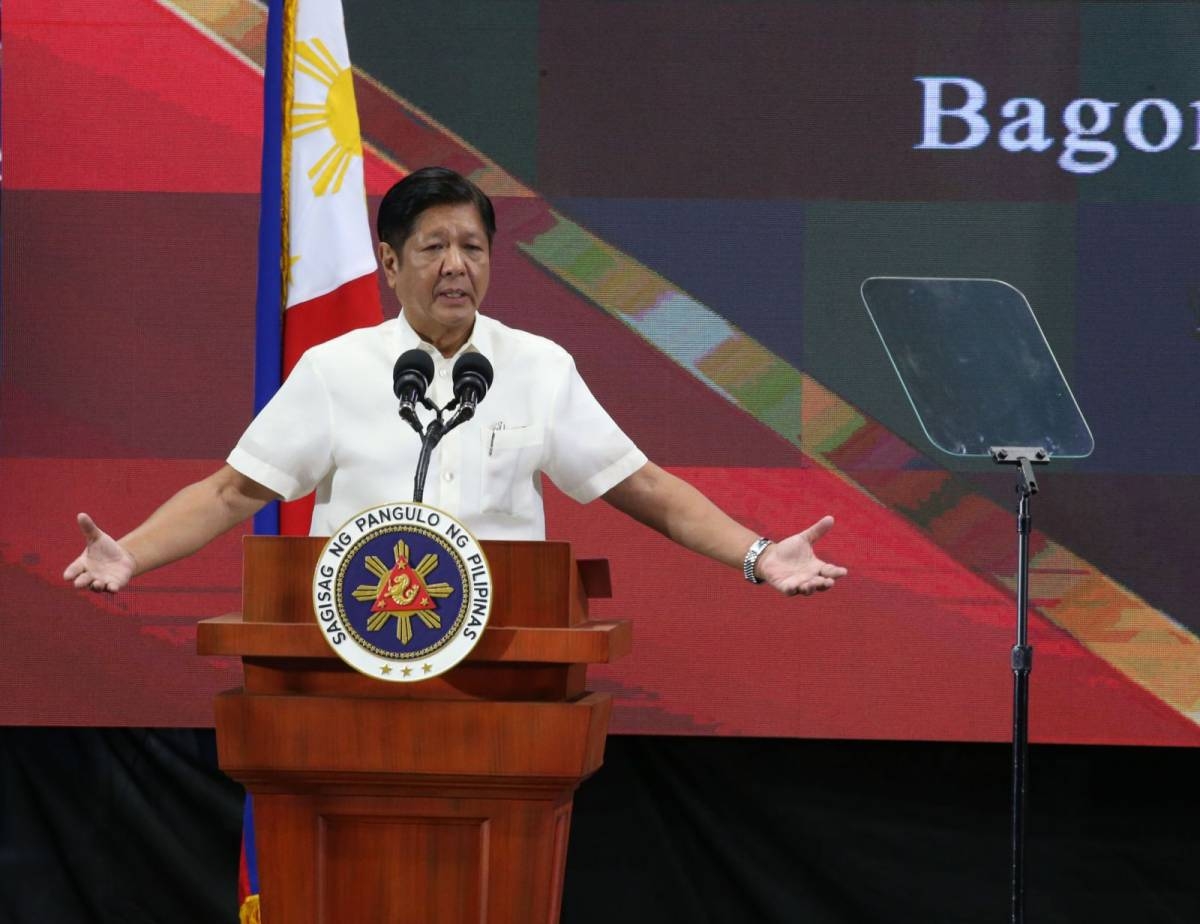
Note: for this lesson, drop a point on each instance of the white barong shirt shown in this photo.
(333, 426)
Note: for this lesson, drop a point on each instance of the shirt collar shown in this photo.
(480, 341)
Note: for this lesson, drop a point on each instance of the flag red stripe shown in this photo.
(352, 304)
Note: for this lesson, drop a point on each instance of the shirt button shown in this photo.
(448, 476)
(443, 372)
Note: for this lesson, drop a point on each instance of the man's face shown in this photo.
(441, 274)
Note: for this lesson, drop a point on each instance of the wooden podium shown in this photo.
(437, 802)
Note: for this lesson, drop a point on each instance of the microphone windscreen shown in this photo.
(473, 364)
(413, 369)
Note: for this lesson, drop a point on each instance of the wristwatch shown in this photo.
(751, 559)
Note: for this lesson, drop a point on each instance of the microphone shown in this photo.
(472, 379)
(410, 378)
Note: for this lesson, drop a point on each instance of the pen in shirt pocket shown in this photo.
(496, 428)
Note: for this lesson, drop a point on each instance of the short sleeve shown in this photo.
(586, 452)
(288, 447)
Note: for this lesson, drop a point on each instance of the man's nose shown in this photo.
(453, 262)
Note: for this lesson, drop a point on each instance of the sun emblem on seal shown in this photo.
(402, 592)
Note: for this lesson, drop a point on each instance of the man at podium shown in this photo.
(332, 426)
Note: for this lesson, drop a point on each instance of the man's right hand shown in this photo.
(104, 564)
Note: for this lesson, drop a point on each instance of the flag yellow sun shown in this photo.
(337, 113)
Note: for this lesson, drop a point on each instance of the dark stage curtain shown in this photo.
(122, 826)
(724, 830)
(116, 826)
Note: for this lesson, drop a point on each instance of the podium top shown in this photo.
(536, 645)
(535, 583)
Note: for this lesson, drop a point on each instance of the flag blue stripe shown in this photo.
(268, 352)
(268, 323)
(248, 844)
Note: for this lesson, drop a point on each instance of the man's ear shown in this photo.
(388, 259)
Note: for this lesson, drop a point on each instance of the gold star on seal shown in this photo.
(385, 670)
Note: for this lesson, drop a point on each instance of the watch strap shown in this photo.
(751, 559)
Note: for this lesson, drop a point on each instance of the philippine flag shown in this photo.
(316, 273)
(316, 260)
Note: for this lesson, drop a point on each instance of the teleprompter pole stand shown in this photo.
(1025, 457)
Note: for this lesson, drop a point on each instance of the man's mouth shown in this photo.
(452, 293)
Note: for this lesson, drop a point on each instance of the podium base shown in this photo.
(421, 811)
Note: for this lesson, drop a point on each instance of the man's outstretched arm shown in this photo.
(680, 512)
(183, 525)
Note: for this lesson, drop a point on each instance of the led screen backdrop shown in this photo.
(689, 196)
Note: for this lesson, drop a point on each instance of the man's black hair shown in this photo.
(423, 189)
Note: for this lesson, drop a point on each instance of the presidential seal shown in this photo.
(402, 592)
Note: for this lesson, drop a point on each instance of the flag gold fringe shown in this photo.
(249, 913)
(288, 88)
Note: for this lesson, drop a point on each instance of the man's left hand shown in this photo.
(792, 567)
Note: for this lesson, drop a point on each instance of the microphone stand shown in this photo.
(434, 431)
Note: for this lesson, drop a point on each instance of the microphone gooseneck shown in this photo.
(411, 378)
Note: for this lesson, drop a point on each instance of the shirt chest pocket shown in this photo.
(510, 461)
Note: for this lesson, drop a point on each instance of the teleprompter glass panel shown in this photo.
(976, 366)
